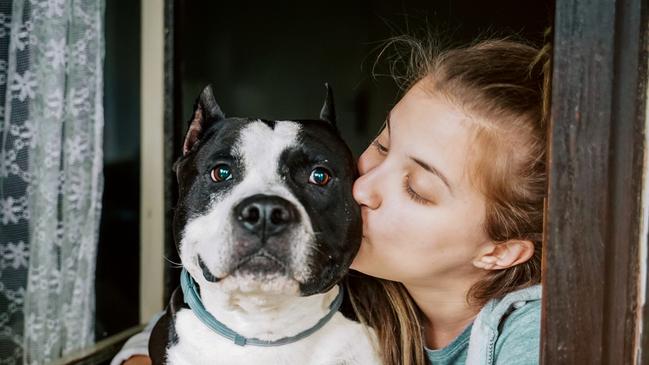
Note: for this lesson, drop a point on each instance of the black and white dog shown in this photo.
(265, 226)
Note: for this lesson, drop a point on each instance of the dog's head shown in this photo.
(265, 205)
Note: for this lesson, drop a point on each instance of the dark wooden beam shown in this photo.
(174, 128)
(595, 180)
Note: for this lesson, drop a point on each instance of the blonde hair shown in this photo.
(505, 85)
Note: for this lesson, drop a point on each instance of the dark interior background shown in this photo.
(118, 256)
(270, 60)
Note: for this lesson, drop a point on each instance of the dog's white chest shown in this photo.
(339, 342)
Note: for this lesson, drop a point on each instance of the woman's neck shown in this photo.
(446, 312)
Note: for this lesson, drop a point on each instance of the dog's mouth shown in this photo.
(259, 263)
(206, 272)
(262, 262)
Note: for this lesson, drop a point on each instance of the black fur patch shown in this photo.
(332, 210)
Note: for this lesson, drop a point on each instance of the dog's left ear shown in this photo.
(328, 111)
(206, 112)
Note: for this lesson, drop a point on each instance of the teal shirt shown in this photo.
(517, 334)
(454, 353)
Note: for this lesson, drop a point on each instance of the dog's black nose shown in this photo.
(265, 215)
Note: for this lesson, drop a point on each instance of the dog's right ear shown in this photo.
(206, 112)
(328, 111)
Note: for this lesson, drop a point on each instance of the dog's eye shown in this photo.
(319, 176)
(221, 173)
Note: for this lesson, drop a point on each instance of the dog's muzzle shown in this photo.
(264, 232)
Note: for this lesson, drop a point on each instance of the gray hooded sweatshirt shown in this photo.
(506, 331)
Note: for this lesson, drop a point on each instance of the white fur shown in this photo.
(339, 342)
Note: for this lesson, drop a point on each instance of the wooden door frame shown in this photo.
(591, 312)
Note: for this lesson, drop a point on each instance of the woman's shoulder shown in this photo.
(523, 318)
(507, 330)
(519, 335)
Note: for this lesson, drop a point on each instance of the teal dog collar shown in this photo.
(188, 286)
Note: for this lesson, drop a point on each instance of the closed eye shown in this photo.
(413, 194)
(381, 148)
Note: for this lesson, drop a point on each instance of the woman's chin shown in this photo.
(354, 265)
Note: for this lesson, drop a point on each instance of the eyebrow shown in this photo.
(421, 163)
(434, 171)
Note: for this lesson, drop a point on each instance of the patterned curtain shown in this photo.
(51, 131)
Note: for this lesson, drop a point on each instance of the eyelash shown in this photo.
(382, 149)
(412, 194)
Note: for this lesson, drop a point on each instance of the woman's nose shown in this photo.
(365, 189)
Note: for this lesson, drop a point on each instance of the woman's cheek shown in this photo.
(394, 227)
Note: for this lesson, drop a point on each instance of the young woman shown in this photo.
(452, 193)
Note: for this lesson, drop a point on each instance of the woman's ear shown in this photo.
(498, 256)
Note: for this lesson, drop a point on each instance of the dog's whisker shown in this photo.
(318, 250)
(174, 264)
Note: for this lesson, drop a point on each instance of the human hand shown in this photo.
(138, 360)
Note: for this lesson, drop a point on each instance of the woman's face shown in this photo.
(422, 216)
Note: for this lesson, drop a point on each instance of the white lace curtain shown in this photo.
(51, 131)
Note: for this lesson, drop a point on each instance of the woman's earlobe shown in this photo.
(505, 255)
